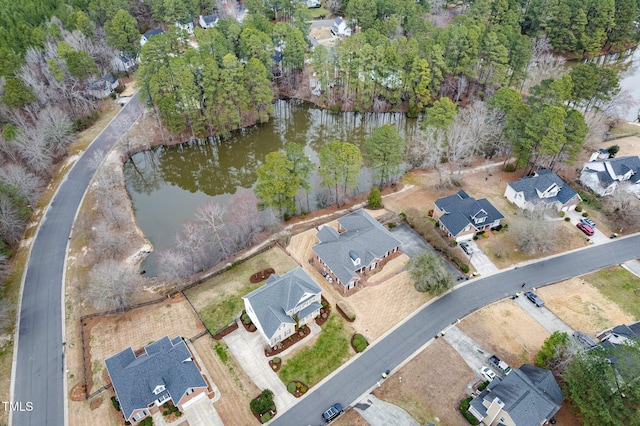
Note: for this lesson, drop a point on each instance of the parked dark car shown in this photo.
(334, 411)
(503, 366)
(585, 228)
(588, 222)
(534, 299)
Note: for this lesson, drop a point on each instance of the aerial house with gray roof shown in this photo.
(605, 176)
(462, 216)
(542, 191)
(528, 396)
(285, 303)
(359, 244)
(165, 372)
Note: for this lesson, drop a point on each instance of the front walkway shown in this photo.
(248, 350)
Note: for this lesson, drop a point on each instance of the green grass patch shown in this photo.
(618, 285)
(622, 130)
(464, 406)
(318, 12)
(222, 352)
(314, 363)
(219, 299)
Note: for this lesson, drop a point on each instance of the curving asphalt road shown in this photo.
(38, 368)
(361, 374)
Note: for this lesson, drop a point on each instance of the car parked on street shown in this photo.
(534, 299)
(466, 248)
(588, 222)
(585, 228)
(487, 373)
(332, 412)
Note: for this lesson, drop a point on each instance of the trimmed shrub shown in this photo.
(359, 342)
(475, 238)
(567, 219)
(464, 410)
(291, 387)
(276, 360)
(562, 213)
(147, 421)
(437, 224)
(510, 168)
(392, 225)
(403, 216)
(245, 318)
(464, 268)
(303, 389)
(578, 208)
(346, 310)
(485, 235)
(265, 417)
(115, 403)
(483, 386)
(585, 214)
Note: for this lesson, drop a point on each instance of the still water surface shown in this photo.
(168, 183)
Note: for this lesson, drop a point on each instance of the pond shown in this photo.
(167, 184)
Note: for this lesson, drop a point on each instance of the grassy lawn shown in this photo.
(623, 129)
(219, 299)
(617, 284)
(314, 363)
(317, 12)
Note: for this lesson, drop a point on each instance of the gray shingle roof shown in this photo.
(211, 19)
(151, 33)
(166, 362)
(530, 395)
(364, 236)
(622, 165)
(533, 187)
(279, 295)
(460, 208)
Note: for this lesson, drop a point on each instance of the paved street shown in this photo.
(360, 374)
(38, 366)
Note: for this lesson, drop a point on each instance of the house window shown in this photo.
(162, 399)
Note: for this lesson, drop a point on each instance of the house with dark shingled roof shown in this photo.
(165, 372)
(544, 190)
(605, 176)
(282, 304)
(146, 36)
(462, 216)
(359, 244)
(528, 396)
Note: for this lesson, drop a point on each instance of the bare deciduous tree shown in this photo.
(11, 222)
(624, 209)
(112, 285)
(191, 241)
(434, 151)
(172, 266)
(28, 184)
(245, 219)
(534, 235)
(543, 64)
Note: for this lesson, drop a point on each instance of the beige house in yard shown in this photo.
(462, 216)
(165, 372)
(359, 244)
(283, 304)
(544, 190)
(528, 396)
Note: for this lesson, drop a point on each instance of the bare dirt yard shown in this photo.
(506, 330)
(430, 390)
(108, 335)
(236, 388)
(351, 418)
(582, 306)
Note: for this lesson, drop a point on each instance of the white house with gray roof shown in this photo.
(283, 304)
(359, 244)
(528, 396)
(462, 216)
(542, 191)
(605, 176)
(165, 372)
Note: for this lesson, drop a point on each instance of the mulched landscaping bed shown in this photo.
(288, 342)
(258, 416)
(249, 327)
(324, 313)
(261, 275)
(275, 366)
(301, 388)
(227, 330)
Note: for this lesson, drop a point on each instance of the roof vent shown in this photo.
(354, 258)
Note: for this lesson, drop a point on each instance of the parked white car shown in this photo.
(487, 373)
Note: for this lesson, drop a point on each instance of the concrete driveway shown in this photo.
(248, 350)
(380, 413)
(547, 319)
(413, 243)
(632, 266)
(597, 238)
(474, 354)
(199, 412)
(481, 261)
